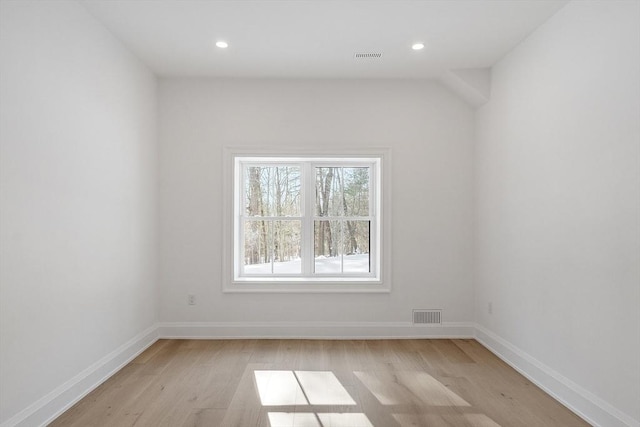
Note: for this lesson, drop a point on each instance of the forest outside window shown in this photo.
(306, 220)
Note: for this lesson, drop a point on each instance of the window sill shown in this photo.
(308, 286)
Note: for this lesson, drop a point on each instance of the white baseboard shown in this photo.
(314, 330)
(49, 407)
(585, 404)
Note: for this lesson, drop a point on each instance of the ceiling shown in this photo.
(318, 38)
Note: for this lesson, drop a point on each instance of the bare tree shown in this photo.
(324, 183)
(255, 207)
(353, 243)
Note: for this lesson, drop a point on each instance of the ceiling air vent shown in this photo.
(427, 317)
(367, 55)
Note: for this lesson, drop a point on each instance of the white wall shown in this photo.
(558, 193)
(557, 188)
(78, 175)
(430, 132)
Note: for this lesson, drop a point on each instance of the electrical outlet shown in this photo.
(191, 299)
(490, 307)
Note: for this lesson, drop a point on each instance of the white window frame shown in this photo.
(378, 280)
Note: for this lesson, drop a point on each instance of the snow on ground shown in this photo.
(358, 263)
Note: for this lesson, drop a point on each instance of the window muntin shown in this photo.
(306, 219)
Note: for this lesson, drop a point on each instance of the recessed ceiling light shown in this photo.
(222, 44)
(417, 46)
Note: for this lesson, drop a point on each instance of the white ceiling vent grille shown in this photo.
(427, 317)
(367, 55)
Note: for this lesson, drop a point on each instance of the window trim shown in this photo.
(380, 279)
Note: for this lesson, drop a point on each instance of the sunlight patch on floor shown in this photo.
(293, 419)
(470, 420)
(345, 420)
(288, 419)
(323, 388)
(279, 388)
(405, 387)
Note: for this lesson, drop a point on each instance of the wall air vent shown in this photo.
(367, 55)
(427, 317)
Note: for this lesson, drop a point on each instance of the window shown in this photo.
(305, 223)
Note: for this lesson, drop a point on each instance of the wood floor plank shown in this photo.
(451, 352)
(312, 356)
(245, 408)
(288, 354)
(151, 351)
(100, 404)
(204, 418)
(265, 351)
(381, 383)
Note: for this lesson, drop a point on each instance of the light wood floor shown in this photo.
(317, 383)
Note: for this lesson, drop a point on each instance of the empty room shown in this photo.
(319, 213)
